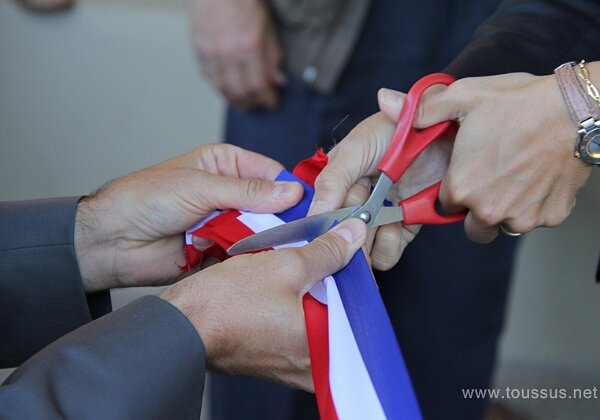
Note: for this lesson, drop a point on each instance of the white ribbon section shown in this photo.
(352, 391)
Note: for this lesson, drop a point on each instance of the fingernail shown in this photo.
(318, 207)
(391, 97)
(201, 244)
(284, 190)
(351, 230)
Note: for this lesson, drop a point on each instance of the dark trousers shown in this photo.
(447, 295)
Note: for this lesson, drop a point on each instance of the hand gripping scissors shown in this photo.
(405, 147)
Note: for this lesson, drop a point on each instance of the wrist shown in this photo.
(189, 297)
(94, 259)
(563, 129)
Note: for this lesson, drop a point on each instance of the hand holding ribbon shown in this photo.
(129, 232)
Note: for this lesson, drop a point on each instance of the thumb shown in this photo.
(437, 104)
(256, 195)
(330, 252)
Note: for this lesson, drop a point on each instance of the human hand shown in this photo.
(512, 163)
(346, 180)
(248, 309)
(238, 50)
(130, 232)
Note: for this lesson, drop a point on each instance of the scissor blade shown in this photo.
(388, 215)
(305, 229)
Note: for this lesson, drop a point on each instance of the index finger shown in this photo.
(355, 157)
(226, 160)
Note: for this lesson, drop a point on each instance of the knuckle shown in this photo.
(556, 217)
(455, 196)
(462, 88)
(458, 196)
(386, 251)
(222, 150)
(489, 215)
(331, 180)
(523, 224)
(455, 192)
(325, 179)
(384, 262)
(459, 87)
(552, 221)
(460, 92)
(329, 250)
(253, 189)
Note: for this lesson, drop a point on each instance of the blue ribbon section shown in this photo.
(376, 339)
(370, 324)
(300, 209)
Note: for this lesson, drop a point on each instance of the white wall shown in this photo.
(112, 86)
(95, 93)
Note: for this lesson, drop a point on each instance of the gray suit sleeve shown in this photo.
(532, 36)
(143, 361)
(41, 293)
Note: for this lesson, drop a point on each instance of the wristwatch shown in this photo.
(583, 112)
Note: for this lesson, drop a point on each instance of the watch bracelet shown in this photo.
(591, 89)
(579, 105)
(582, 109)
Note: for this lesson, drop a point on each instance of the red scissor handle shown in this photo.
(407, 142)
(419, 209)
(406, 145)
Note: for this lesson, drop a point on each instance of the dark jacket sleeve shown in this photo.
(533, 36)
(41, 292)
(143, 361)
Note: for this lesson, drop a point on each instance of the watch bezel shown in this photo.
(585, 138)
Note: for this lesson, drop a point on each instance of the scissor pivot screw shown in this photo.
(365, 216)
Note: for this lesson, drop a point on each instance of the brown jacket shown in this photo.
(318, 36)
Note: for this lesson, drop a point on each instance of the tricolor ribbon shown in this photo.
(357, 367)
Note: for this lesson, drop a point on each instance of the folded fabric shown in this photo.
(357, 367)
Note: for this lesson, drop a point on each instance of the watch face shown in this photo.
(589, 146)
(593, 147)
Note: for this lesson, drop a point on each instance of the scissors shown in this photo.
(405, 147)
